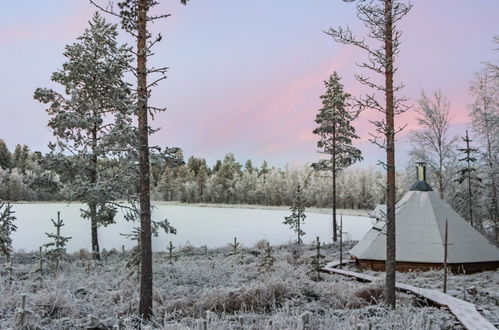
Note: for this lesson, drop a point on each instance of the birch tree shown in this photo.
(380, 17)
(91, 120)
(432, 142)
(484, 113)
(336, 135)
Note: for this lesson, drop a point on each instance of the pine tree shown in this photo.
(5, 157)
(468, 176)
(380, 17)
(93, 120)
(297, 217)
(336, 134)
(135, 16)
(7, 226)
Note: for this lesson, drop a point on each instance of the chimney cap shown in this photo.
(421, 184)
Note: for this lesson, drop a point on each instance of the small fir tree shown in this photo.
(336, 134)
(170, 252)
(7, 226)
(467, 175)
(234, 246)
(39, 270)
(297, 217)
(267, 263)
(58, 246)
(317, 262)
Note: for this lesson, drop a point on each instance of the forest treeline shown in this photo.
(31, 176)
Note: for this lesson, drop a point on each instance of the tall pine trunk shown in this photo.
(390, 159)
(335, 225)
(92, 205)
(145, 304)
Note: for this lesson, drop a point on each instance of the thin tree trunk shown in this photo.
(495, 207)
(390, 159)
(145, 304)
(440, 171)
(335, 225)
(470, 193)
(92, 205)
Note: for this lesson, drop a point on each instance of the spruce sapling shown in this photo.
(21, 313)
(268, 260)
(10, 269)
(170, 252)
(234, 246)
(39, 270)
(59, 244)
(7, 226)
(297, 217)
(134, 260)
(317, 262)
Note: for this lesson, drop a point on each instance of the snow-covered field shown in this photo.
(480, 289)
(215, 290)
(210, 226)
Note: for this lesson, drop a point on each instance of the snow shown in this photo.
(197, 226)
(483, 285)
(217, 289)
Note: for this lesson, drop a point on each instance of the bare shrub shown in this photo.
(261, 244)
(371, 294)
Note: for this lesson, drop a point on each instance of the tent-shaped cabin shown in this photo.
(420, 218)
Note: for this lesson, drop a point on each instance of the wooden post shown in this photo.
(341, 241)
(445, 256)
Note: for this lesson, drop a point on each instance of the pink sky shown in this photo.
(246, 77)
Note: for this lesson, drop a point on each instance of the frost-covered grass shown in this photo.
(480, 289)
(217, 290)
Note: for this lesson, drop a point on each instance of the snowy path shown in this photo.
(464, 311)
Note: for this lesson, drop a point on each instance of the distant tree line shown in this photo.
(32, 176)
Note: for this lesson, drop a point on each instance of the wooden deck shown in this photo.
(464, 311)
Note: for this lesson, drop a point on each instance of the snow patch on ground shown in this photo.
(218, 289)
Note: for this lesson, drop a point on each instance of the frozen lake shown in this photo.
(214, 227)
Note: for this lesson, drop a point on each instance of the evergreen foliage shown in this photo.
(234, 246)
(4, 155)
(467, 175)
(93, 120)
(267, 262)
(57, 247)
(317, 262)
(7, 227)
(170, 252)
(297, 217)
(336, 134)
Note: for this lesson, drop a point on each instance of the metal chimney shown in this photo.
(421, 184)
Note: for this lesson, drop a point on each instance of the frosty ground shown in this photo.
(211, 288)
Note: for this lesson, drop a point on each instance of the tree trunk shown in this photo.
(470, 192)
(335, 225)
(390, 159)
(145, 304)
(92, 205)
(494, 206)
